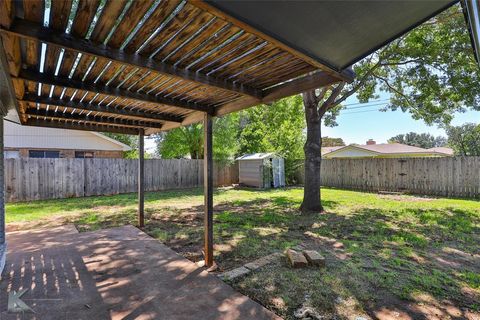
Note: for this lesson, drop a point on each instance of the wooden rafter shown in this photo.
(34, 76)
(83, 126)
(34, 31)
(52, 114)
(95, 107)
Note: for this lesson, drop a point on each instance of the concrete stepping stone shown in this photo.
(235, 273)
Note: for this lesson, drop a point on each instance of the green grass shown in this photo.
(395, 248)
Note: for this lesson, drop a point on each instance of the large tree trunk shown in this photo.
(311, 194)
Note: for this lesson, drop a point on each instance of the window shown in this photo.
(11, 154)
(43, 154)
(83, 154)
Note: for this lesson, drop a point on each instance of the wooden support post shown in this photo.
(141, 179)
(208, 189)
(2, 200)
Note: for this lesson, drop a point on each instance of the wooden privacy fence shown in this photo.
(38, 179)
(449, 176)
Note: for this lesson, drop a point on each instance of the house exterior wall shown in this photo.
(25, 137)
(69, 153)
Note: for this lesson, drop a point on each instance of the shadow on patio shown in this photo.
(118, 273)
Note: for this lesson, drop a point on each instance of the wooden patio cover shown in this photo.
(123, 65)
(143, 66)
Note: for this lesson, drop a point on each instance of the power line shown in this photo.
(376, 110)
(372, 101)
(367, 105)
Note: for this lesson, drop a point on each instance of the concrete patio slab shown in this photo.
(118, 273)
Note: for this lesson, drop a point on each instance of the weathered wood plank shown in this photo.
(35, 31)
(95, 107)
(39, 179)
(34, 76)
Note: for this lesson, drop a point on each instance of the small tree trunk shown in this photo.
(311, 194)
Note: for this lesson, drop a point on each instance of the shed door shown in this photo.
(276, 172)
(278, 168)
(281, 171)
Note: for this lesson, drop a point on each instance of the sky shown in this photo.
(364, 121)
(150, 144)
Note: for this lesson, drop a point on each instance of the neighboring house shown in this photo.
(326, 150)
(385, 150)
(36, 142)
(445, 150)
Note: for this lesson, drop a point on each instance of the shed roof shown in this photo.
(126, 66)
(256, 156)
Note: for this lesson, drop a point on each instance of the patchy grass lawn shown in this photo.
(401, 257)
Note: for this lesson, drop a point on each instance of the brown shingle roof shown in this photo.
(444, 150)
(388, 148)
(392, 148)
(326, 150)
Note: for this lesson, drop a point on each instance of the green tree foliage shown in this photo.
(332, 142)
(278, 127)
(464, 139)
(181, 142)
(188, 141)
(129, 140)
(430, 73)
(422, 140)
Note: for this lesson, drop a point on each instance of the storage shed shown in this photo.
(261, 170)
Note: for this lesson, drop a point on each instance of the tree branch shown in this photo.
(358, 85)
(395, 90)
(328, 104)
(322, 93)
(401, 62)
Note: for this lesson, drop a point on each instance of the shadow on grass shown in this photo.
(385, 265)
(389, 257)
(243, 229)
(85, 203)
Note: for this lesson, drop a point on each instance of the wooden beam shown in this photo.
(82, 127)
(208, 189)
(7, 90)
(141, 180)
(92, 119)
(95, 107)
(209, 7)
(309, 82)
(313, 81)
(34, 76)
(34, 31)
